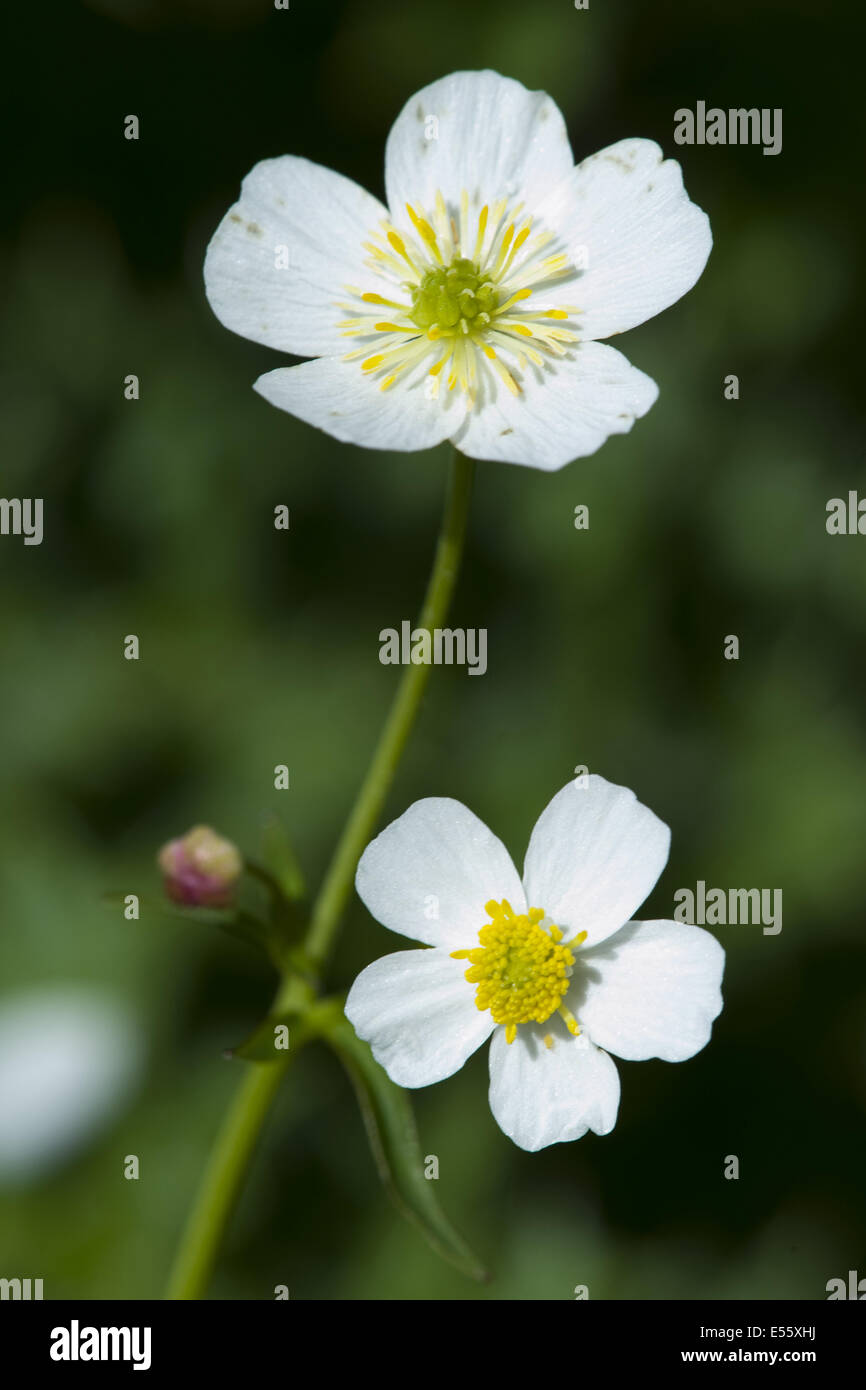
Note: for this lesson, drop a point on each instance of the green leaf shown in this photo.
(390, 1125)
(237, 922)
(280, 858)
(242, 925)
(261, 1045)
(296, 1010)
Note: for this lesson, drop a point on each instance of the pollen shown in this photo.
(459, 279)
(521, 969)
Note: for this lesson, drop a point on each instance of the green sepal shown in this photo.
(390, 1124)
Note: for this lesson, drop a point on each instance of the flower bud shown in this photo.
(200, 869)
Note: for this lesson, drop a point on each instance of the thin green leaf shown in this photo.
(279, 857)
(299, 1017)
(390, 1125)
(269, 1042)
(237, 922)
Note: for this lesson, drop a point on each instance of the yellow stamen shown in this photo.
(482, 227)
(521, 971)
(370, 298)
(425, 231)
(506, 377)
(503, 250)
(569, 1019)
(399, 246)
(518, 242)
(463, 300)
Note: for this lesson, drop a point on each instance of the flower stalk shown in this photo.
(233, 1149)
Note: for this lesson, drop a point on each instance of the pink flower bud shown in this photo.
(200, 869)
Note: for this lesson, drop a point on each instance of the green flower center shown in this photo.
(455, 299)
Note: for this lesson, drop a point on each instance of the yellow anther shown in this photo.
(518, 242)
(462, 297)
(518, 294)
(506, 377)
(425, 231)
(569, 1019)
(503, 250)
(482, 228)
(399, 246)
(548, 1041)
(521, 971)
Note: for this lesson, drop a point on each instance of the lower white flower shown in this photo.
(471, 306)
(558, 973)
(69, 1058)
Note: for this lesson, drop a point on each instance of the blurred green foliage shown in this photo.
(260, 647)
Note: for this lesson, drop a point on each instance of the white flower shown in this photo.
(69, 1056)
(557, 974)
(476, 298)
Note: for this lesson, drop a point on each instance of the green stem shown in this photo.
(224, 1175)
(222, 1179)
(364, 817)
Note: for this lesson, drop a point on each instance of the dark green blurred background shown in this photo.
(605, 647)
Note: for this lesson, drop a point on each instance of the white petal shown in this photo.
(429, 874)
(564, 411)
(490, 136)
(68, 1056)
(644, 244)
(593, 856)
(542, 1095)
(418, 1014)
(321, 219)
(338, 398)
(651, 990)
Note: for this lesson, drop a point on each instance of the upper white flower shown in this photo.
(476, 297)
(557, 973)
